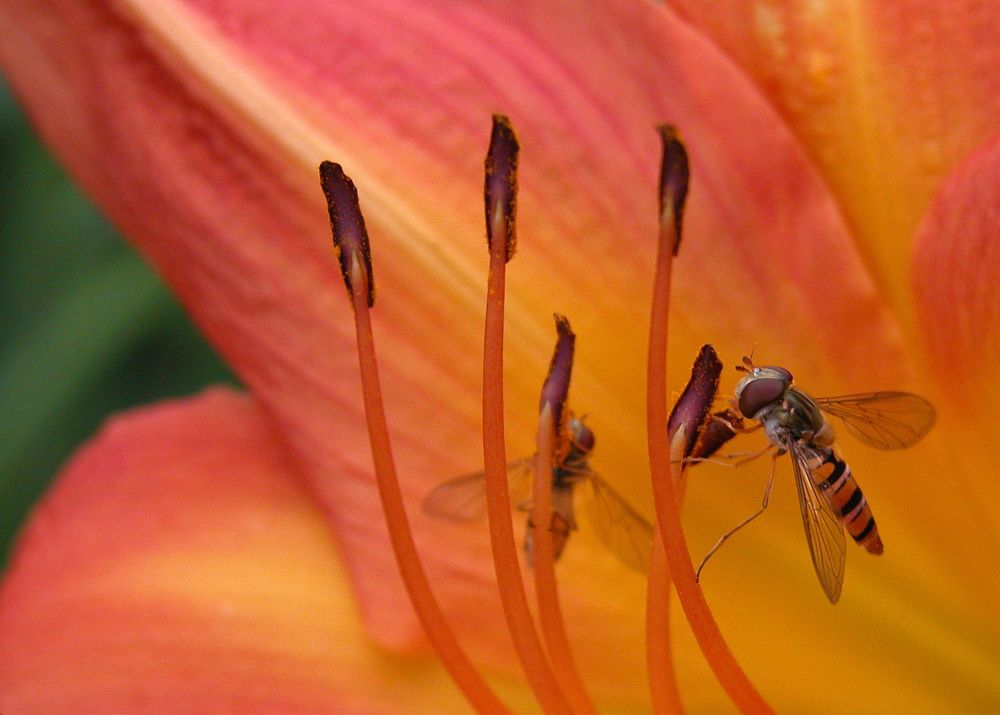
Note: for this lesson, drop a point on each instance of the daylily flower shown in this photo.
(227, 552)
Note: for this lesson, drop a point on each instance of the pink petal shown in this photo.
(887, 97)
(179, 565)
(199, 128)
(956, 278)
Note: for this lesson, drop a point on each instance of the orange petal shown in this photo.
(178, 565)
(887, 97)
(199, 128)
(956, 277)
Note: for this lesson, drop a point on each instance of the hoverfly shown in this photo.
(829, 497)
(619, 526)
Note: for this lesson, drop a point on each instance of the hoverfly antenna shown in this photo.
(747, 365)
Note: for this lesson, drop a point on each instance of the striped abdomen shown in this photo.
(835, 480)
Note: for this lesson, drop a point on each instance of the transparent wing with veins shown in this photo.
(620, 527)
(464, 498)
(885, 420)
(824, 530)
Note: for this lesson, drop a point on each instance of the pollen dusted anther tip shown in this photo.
(350, 237)
(501, 186)
(674, 176)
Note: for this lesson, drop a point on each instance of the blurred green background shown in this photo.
(87, 328)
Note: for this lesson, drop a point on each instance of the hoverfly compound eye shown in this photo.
(759, 392)
(776, 371)
(582, 435)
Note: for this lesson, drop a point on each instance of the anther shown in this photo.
(720, 427)
(350, 237)
(556, 386)
(674, 176)
(501, 186)
(691, 408)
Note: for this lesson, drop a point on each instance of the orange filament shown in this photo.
(728, 672)
(543, 552)
(428, 610)
(659, 661)
(512, 595)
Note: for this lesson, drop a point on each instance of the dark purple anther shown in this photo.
(348, 225)
(556, 386)
(691, 409)
(501, 185)
(674, 176)
(721, 427)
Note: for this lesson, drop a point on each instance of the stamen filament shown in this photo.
(546, 589)
(665, 696)
(512, 595)
(356, 266)
(501, 179)
(424, 603)
(543, 549)
(728, 672)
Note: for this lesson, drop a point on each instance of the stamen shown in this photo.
(664, 693)
(501, 183)
(350, 237)
(720, 427)
(685, 425)
(501, 186)
(691, 408)
(673, 185)
(351, 240)
(548, 455)
(674, 177)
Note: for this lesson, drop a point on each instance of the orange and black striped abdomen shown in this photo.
(834, 479)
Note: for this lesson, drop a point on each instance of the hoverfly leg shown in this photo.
(720, 460)
(731, 459)
(763, 506)
(744, 457)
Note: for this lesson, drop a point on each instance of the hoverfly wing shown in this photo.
(464, 498)
(620, 527)
(885, 420)
(824, 531)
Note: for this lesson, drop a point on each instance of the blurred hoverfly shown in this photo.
(620, 527)
(829, 497)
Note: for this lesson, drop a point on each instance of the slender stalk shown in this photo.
(500, 200)
(428, 611)
(351, 241)
(543, 553)
(728, 672)
(665, 695)
(512, 595)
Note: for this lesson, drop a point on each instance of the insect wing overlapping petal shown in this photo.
(464, 498)
(620, 527)
(885, 420)
(824, 530)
